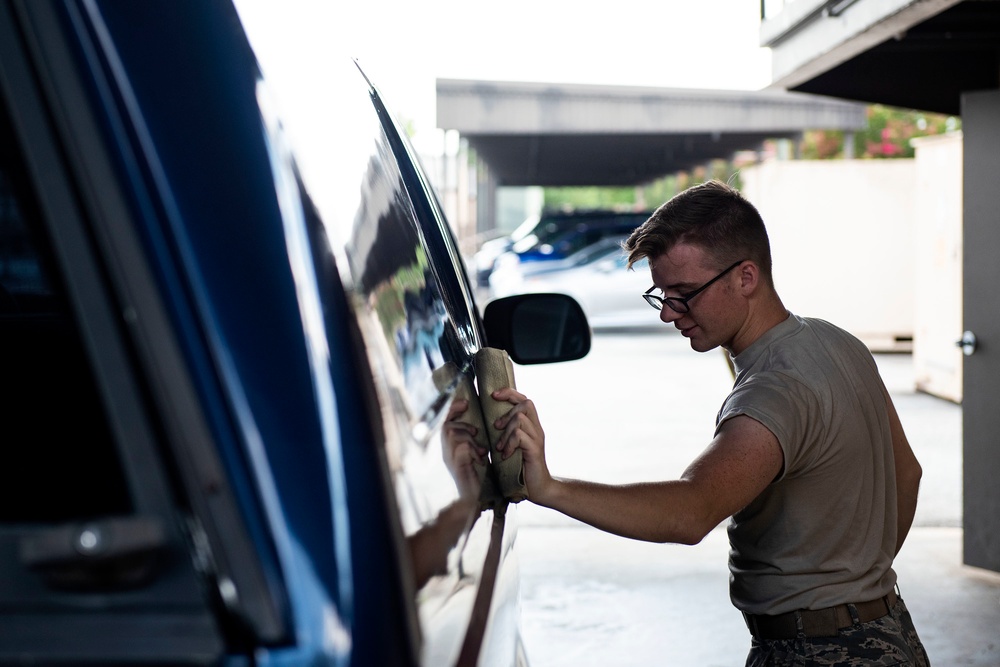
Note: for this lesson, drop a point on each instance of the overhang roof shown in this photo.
(574, 134)
(917, 54)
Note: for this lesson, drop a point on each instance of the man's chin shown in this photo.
(697, 341)
(702, 345)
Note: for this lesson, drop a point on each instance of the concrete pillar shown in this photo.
(486, 194)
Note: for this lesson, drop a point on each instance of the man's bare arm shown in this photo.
(737, 465)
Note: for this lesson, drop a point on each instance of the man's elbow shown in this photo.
(692, 532)
(692, 538)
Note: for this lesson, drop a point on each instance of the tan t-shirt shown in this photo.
(824, 532)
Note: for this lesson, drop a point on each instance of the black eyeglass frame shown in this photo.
(679, 304)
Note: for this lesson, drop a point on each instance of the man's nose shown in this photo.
(668, 314)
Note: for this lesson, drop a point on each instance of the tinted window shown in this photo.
(59, 463)
(415, 345)
(418, 333)
(92, 564)
(415, 333)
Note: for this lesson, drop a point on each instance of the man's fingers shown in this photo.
(457, 408)
(519, 432)
(513, 444)
(520, 416)
(469, 453)
(510, 395)
(455, 428)
(525, 407)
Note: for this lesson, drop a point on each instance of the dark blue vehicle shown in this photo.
(584, 229)
(554, 236)
(221, 408)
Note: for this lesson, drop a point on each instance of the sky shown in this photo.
(405, 46)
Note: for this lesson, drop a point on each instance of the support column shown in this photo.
(486, 195)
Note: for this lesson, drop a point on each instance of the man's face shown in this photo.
(710, 320)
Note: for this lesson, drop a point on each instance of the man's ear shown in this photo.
(750, 278)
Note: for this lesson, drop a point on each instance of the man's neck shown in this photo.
(763, 316)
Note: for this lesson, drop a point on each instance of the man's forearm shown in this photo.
(652, 512)
(738, 464)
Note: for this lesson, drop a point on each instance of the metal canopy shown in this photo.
(571, 134)
(912, 57)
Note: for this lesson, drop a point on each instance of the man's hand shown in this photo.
(521, 430)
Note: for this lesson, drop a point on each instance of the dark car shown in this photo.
(554, 235)
(584, 230)
(226, 363)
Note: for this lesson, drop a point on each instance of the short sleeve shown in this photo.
(784, 406)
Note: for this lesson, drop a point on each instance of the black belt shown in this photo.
(818, 622)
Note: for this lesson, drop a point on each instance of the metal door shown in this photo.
(981, 278)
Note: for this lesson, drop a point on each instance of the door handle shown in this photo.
(108, 553)
(968, 343)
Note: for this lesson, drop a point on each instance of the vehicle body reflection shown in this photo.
(231, 342)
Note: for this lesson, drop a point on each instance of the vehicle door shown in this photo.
(418, 333)
(97, 563)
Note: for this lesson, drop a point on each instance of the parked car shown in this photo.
(509, 275)
(554, 235)
(585, 232)
(609, 293)
(486, 256)
(222, 399)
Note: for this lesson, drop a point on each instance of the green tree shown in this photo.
(645, 196)
(589, 197)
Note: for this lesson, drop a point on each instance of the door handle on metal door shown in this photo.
(968, 343)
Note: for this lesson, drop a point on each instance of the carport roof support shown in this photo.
(575, 134)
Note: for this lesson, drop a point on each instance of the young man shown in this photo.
(809, 460)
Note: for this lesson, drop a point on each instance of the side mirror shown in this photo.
(538, 328)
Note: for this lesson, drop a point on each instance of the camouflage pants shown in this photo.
(890, 640)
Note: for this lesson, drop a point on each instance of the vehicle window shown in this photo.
(405, 288)
(416, 333)
(418, 344)
(59, 463)
(92, 558)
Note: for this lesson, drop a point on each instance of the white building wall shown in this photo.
(937, 360)
(842, 239)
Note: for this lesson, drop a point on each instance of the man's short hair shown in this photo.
(713, 216)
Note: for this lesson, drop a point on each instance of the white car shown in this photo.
(510, 272)
(610, 294)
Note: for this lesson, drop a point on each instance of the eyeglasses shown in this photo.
(679, 304)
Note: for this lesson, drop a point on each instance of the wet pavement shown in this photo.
(644, 407)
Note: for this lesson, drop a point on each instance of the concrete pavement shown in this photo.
(644, 407)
